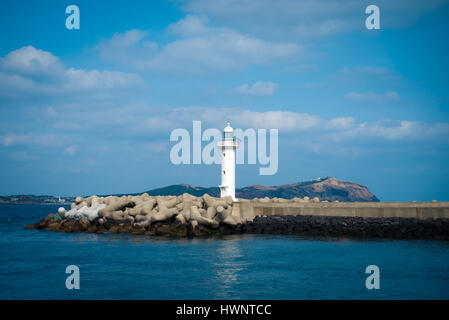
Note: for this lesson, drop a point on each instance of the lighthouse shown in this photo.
(228, 146)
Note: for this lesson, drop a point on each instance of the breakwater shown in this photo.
(187, 216)
(356, 227)
(420, 210)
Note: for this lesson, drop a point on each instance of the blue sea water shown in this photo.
(33, 264)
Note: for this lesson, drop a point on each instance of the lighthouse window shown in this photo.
(224, 154)
(224, 172)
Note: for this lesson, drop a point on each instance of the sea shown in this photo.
(33, 265)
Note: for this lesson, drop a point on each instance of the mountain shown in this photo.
(328, 188)
(178, 189)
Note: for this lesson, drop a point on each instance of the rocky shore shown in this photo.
(190, 216)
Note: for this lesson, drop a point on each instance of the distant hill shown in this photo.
(179, 189)
(328, 188)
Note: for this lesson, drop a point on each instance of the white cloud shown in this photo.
(372, 97)
(21, 156)
(340, 128)
(159, 123)
(40, 140)
(366, 70)
(156, 146)
(309, 125)
(31, 61)
(340, 123)
(32, 71)
(143, 127)
(242, 118)
(259, 88)
(190, 26)
(200, 49)
(282, 120)
(300, 68)
(71, 150)
(396, 130)
(128, 48)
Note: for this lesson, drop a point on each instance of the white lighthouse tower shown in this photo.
(228, 146)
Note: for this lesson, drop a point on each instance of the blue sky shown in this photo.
(90, 111)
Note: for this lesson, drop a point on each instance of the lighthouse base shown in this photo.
(226, 192)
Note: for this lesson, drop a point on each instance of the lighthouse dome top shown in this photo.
(228, 128)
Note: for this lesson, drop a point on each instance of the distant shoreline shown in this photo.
(44, 203)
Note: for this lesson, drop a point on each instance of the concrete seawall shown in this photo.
(420, 210)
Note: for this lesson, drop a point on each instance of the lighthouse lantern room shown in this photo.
(228, 146)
